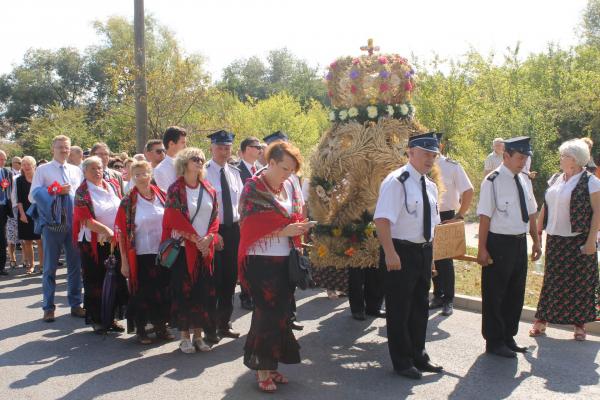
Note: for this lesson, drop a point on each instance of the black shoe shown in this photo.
(227, 333)
(3, 272)
(430, 367)
(296, 326)
(436, 302)
(411, 372)
(359, 316)
(448, 309)
(511, 344)
(376, 314)
(247, 304)
(211, 338)
(502, 351)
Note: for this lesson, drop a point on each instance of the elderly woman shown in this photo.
(25, 223)
(573, 217)
(139, 226)
(191, 215)
(271, 222)
(96, 205)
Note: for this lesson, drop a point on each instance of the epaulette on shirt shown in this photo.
(403, 177)
(493, 176)
(451, 161)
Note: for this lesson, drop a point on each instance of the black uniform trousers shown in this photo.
(365, 289)
(443, 283)
(225, 274)
(3, 243)
(407, 304)
(503, 288)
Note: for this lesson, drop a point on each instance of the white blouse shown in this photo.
(148, 225)
(277, 246)
(202, 220)
(106, 204)
(558, 199)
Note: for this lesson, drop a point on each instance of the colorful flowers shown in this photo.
(354, 74)
(408, 86)
(322, 251)
(336, 232)
(382, 60)
(403, 110)
(53, 189)
(4, 184)
(372, 112)
(353, 89)
(352, 112)
(384, 87)
(384, 74)
(390, 111)
(350, 251)
(343, 115)
(332, 116)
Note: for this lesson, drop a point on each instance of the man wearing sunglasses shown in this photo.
(155, 152)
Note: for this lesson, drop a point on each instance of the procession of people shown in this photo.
(174, 231)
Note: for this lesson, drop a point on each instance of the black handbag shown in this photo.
(300, 274)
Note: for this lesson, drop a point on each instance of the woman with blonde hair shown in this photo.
(25, 222)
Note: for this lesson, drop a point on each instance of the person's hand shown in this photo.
(124, 269)
(483, 257)
(392, 262)
(588, 249)
(536, 252)
(532, 175)
(23, 218)
(203, 244)
(295, 229)
(220, 245)
(65, 189)
(453, 220)
(108, 233)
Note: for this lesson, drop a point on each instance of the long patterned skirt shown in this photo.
(270, 339)
(569, 291)
(150, 302)
(93, 273)
(331, 278)
(192, 304)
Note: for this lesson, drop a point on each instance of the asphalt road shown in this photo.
(341, 359)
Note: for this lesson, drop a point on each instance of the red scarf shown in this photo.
(260, 216)
(177, 217)
(125, 226)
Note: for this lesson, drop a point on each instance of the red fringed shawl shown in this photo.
(261, 215)
(177, 218)
(84, 210)
(125, 226)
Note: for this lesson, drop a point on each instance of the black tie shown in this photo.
(426, 211)
(226, 196)
(524, 214)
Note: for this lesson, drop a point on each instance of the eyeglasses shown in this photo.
(118, 166)
(257, 147)
(159, 151)
(197, 159)
(142, 175)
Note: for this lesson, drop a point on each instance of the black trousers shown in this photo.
(407, 305)
(443, 283)
(503, 288)
(244, 294)
(365, 289)
(3, 243)
(225, 274)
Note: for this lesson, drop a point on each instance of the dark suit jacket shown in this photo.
(244, 173)
(7, 173)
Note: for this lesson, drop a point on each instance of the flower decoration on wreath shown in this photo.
(54, 188)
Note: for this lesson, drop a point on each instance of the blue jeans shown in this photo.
(53, 243)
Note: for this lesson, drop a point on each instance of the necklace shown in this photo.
(149, 198)
(277, 191)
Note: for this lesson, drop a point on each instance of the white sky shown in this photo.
(316, 30)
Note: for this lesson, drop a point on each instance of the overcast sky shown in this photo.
(316, 30)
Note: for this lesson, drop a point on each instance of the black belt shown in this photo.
(519, 236)
(408, 243)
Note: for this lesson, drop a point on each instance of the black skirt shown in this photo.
(192, 304)
(270, 339)
(150, 302)
(93, 279)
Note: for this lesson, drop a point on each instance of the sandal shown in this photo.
(267, 386)
(538, 328)
(278, 378)
(579, 334)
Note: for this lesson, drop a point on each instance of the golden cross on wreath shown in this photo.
(369, 48)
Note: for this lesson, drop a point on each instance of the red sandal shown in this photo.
(267, 386)
(278, 378)
(538, 328)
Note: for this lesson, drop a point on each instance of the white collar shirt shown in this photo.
(213, 175)
(164, 173)
(148, 225)
(250, 166)
(51, 172)
(106, 204)
(499, 200)
(456, 182)
(406, 217)
(492, 161)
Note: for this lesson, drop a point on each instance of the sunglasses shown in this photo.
(197, 159)
(159, 151)
(118, 166)
(257, 147)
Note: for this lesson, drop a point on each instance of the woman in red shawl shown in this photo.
(271, 222)
(96, 204)
(139, 227)
(191, 214)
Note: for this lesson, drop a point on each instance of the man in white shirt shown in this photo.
(458, 195)
(69, 177)
(154, 152)
(494, 159)
(226, 180)
(507, 209)
(174, 140)
(405, 216)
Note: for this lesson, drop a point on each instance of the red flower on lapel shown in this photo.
(4, 184)
(54, 189)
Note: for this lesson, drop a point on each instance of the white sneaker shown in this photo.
(201, 345)
(186, 346)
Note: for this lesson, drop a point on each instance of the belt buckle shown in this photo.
(426, 245)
